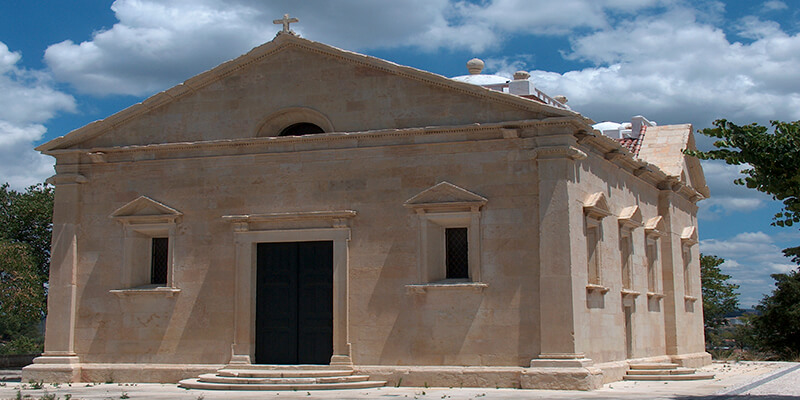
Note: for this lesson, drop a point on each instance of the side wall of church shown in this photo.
(387, 323)
(606, 329)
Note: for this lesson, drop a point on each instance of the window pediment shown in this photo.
(689, 236)
(596, 206)
(445, 196)
(654, 226)
(630, 217)
(146, 210)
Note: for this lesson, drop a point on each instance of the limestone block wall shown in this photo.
(685, 332)
(387, 323)
(604, 332)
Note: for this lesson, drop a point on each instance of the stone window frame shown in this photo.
(654, 232)
(142, 220)
(275, 123)
(595, 209)
(688, 241)
(630, 219)
(440, 207)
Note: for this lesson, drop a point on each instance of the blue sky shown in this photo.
(64, 64)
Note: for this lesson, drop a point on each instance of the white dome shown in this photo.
(482, 80)
(607, 126)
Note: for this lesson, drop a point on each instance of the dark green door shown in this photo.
(294, 303)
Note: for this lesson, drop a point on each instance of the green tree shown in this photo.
(22, 296)
(25, 231)
(777, 327)
(773, 160)
(719, 296)
(27, 217)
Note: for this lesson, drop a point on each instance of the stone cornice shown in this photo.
(613, 152)
(337, 218)
(551, 152)
(495, 130)
(66, 179)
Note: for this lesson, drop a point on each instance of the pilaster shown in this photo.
(561, 287)
(60, 363)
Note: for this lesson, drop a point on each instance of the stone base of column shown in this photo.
(692, 360)
(53, 369)
(342, 361)
(562, 372)
(239, 359)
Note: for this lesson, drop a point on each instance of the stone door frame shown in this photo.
(243, 347)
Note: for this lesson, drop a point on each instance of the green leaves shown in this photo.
(777, 328)
(25, 231)
(773, 160)
(26, 217)
(719, 295)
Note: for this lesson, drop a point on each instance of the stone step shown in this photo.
(282, 373)
(676, 371)
(653, 366)
(315, 367)
(687, 377)
(214, 378)
(196, 384)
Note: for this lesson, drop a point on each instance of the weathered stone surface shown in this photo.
(217, 179)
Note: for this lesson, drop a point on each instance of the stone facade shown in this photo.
(561, 290)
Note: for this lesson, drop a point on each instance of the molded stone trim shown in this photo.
(337, 218)
(596, 206)
(689, 236)
(445, 195)
(279, 120)
(630, 217)
(654, 226)
(145, 210)
(425, 287)
(598, 288)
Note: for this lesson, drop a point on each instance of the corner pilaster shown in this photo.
(60, 363)
(561, 363)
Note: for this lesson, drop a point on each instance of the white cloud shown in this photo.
(158, 43)
(27, 99)
(727, 198)
(774, 5)
(676, 69)
(749, 258)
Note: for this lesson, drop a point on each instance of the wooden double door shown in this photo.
(294, 303)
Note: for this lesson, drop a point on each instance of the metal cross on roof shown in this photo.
(285, 21)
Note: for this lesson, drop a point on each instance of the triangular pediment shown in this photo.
(232, 100)
(445, 194)
(664, 146)
(692, 174)
(689, 235)
(631, 217)
(654, 226)
(145, 209)
(596, 206)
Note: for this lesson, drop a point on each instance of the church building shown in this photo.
(306, 208)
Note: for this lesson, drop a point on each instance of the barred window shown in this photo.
(456, 253)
